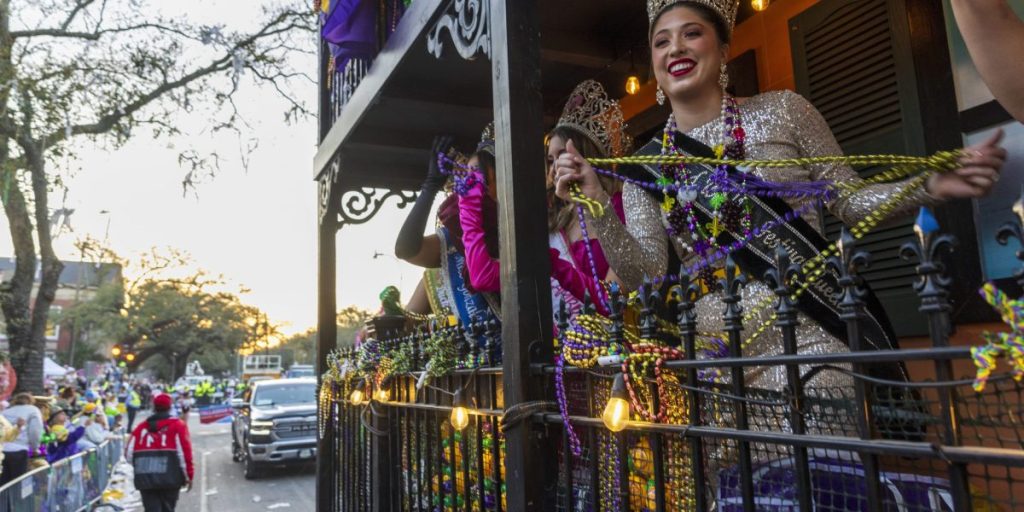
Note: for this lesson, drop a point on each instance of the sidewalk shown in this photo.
(121, 491)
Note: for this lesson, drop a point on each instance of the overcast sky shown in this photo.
(256, 227)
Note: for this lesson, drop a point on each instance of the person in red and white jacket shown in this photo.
(160, 450)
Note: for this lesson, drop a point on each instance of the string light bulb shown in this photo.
(382, 395)
(358, 396)
(759, 5)
(616, 412)
(633, 82)
(632, 85)
(460, 412)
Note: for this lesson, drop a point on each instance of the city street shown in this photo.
(220, 486)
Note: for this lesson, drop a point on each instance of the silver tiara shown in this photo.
(727, 9)
(592, 113)
(487, 139)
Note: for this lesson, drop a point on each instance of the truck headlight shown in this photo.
(261, 428)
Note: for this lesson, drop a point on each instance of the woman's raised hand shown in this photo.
(435, 178)
(978, 172)
(571, 168)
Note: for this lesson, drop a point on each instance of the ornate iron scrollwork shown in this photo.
(359, 206)
(468, 22)
(327, 183)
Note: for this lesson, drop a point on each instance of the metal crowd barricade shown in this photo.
(71, 484)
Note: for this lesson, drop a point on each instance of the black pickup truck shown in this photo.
(274, 423)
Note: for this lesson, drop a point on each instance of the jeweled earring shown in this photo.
(660, 96)
(723, 77)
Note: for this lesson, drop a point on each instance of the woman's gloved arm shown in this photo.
(484, 271)
(410, 237)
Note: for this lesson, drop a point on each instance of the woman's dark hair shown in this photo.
(488, 164)
(706, 13)
(561, 213)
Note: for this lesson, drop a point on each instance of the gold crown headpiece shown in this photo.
(487, 139)
(727, 9)
(592, 113)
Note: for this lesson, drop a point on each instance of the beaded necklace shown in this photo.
(729, 211)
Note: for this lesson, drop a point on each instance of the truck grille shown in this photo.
(295, 430)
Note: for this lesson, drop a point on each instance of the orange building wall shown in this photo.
(767, 33)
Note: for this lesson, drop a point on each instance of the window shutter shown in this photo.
(852, 60)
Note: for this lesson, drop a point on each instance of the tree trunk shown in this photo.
(51, 265)
(15, 295)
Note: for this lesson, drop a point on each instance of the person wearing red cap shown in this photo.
(161, 453)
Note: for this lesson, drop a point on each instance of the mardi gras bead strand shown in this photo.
(1009, 345)
(563, 407)
(643, 357)
(814, 267)
(325, 401)
(441, 353)
(942, 160)
(595, 278)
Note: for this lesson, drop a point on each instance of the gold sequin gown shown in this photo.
(778, 125)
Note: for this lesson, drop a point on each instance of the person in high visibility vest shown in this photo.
(132, 406)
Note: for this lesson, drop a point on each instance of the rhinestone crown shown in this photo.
(487, 139)
(592, 113)
(727, 9)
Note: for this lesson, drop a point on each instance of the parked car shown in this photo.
(274, 423)
(300, 370)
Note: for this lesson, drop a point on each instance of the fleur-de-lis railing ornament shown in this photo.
(562, 323)
(493, 341)
(932, 283)
(780, 279)
(731, 287)
(1015, 229)
(616, 305)
(648, 322)
(847, 266)
(686, 293)
(588, 304)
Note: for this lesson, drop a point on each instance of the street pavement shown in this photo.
(220, 486)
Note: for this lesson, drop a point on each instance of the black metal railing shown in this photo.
(831, 435)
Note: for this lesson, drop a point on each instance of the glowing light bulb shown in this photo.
(357, 396)
(460, 414)
(130, 357)
(616, 413)
(759, 5)
(381, 395)
(632, 85)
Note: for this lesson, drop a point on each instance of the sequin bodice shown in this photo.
(778, 125)
(783, 125)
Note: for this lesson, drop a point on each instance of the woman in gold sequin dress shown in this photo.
(689, 44)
